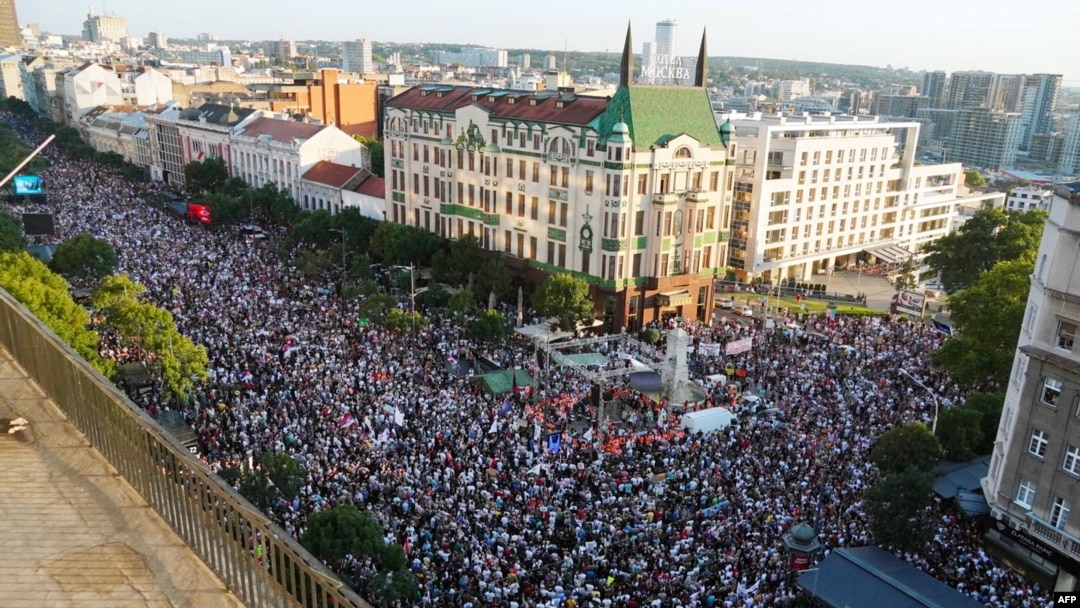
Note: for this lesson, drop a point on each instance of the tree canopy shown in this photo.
(275, 476)
(565, 298)
(205, 176)
(181, 362)
(987, 316)
(84, 259)
(896, 504)
(990, 236)
(375, 150)
(11, 236)
(974, 179)
(46, 295)
(908, 446)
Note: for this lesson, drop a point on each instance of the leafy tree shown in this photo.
(181, 362)
(990, 236)
(974, 179)
(205, 176)
(314, 228)
(276, 476)
(462, 302)
(650, 335)
(987, 316)
(906, 279)
(344, 530)
(315, 263)
(456, 266)
(224, 208)
(492, 277)
(377, 307)
(375, 148)
(85, 259)
(960, 432)
(404, 320)
(236, 187)
(904, 447)
(490, 326)
(11, 236)
(46, 295)
(274, 204)
(565, 298)
(398, 244)
(435, 296)
(989, 407)
(897, 504)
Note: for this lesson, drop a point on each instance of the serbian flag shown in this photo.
(407, 546)
(347, 421)
(515, 386)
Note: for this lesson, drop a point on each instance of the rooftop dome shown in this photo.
(621, 128)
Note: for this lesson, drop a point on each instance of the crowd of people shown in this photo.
(635, 515)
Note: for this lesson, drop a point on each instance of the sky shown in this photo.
(995, 35)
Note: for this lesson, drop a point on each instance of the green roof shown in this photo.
(582, 359)
(657, 114)
(502, 381)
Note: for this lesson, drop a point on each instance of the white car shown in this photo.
(725, 303)
(742, 310)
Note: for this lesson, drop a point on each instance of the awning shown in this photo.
(890, 254)
(962, 477)
(503, 381)
(580, 360)
(673, 298)
(542, 332)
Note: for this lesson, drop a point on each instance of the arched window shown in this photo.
(684, 152)
(560, 145)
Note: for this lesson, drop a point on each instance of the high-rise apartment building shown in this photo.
(9, 24)
(286, 49)
(816, 192)
(1032, 480)
(621, 191)
(984, 138)
(969, 90)
(661, 63)
(1069, 161)
(356, 57)
(526, 61)
(933, 89)
(474, 57)
(1039, 98)
(104, 28)
(157, 40)
(667, 38)
(898, 106)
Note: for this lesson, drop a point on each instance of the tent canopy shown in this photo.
(502, 381)
(542, 332)
(871, 576)
(581, 360)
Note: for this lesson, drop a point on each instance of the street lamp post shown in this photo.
(344, 267)
(933, 427)
(412, 294)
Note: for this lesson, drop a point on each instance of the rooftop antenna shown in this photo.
(565, 52)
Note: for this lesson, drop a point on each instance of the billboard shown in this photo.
(27, 185)
(198, 213)
(38, 224)
(911, 302)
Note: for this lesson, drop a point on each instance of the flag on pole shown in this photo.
(494, 427)
(399, 417)
(347, 421)
(588, 435)
(505, 409)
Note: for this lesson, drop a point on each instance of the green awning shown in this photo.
(502, 381)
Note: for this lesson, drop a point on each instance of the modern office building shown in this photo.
(897, 106)
(813, 193)
(104, 28)
(1039, 100)
(356, 57)
(9, 24)
(969, 90)
(620, 191)
(285, 49)
(1028, 198)
(157, 40)
(1069, 160)
(986, 139)
(1032, 480)
(474, 57)
(933, 89)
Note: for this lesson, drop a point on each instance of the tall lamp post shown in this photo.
(933, 427)
(344, 243)
(412, 294)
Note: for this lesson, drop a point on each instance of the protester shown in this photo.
(634, 513)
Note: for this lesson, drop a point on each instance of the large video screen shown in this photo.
(27, 185)
(198, 213)
(38, 224)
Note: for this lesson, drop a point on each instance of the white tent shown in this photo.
(543, 332)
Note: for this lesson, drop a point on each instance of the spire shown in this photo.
(626, 68)
(702, 69)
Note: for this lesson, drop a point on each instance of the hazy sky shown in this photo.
(996, 35)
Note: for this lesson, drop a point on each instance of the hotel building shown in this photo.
(629, 192)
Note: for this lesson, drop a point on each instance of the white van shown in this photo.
(712, 419)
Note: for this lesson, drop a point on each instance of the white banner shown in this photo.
(910, 302)
(739, 346)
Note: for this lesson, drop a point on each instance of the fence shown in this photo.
(254, 557)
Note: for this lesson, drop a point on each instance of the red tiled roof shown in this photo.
(284, 131)
(331, 174)
(576, 110)
(372, 186)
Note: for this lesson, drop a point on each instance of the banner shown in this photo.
(910, 302)
(713, 350)
(739, 346)
(198, 213)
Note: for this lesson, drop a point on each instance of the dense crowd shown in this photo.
(635, 515)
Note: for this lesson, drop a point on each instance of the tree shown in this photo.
(974, 179)
(462, 302)
(84, 259)
(988, 237)
(224, 208)
(456, 266)
(987, 317)
(205, 176)
(650, 335)
(181, 362)
(376, 307)
(433, 297)
(47, 296)
(904, 447)
(897, 504)
(960, 432)
(989, 407)
(490, 326)
(565, 298)
(398, 244)
(344, 530)
(404, 320)
(276, 476)
(11, 236)
(906, 279)
(375, 150)
(492, 277)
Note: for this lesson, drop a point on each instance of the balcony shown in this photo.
(665, 198)
(697, 196)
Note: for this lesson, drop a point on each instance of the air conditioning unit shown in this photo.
(1014, 524)
(997, 514)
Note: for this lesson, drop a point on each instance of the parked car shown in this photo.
(725, 303)
(251, 231)
(742, 310)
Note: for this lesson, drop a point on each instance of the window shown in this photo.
(1072, 460)
(1025, 494)
(1051, 391)
(1066, 334)
(590, 148)
(534, 212)
(1059, 513)
(639, 223)
(642, 180)
(551, 212)
(554, 181)
(536, 173)
(1037, 444)
(509, 167)
(1032, 314)
(588, 182)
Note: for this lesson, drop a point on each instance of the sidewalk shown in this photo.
(879, 291)
(72, 532)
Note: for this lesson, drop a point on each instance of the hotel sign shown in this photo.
(665, 67)
(681, 164)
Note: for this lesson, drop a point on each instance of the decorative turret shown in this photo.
(701, 72)
(727, 133)
(626, 68)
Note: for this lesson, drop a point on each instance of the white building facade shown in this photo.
(1028, 198)
(813, 193)
(356, 57)
(1032, 480)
